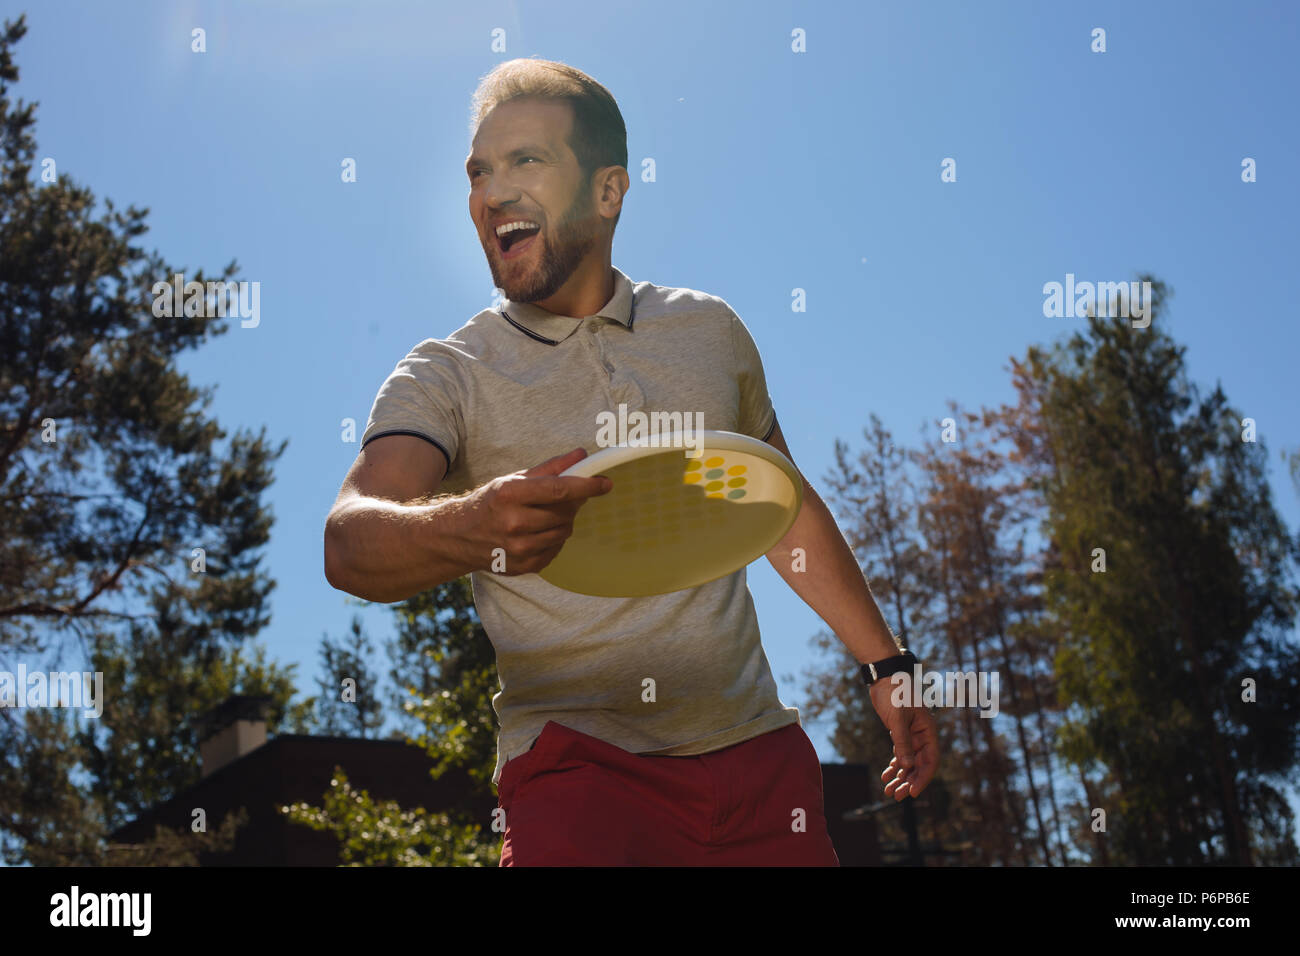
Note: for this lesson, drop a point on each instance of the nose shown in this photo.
(499, 193)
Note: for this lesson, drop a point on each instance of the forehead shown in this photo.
(526, 119)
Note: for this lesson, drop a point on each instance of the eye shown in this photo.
(521, 159)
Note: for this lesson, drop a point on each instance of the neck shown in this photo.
(586, 291)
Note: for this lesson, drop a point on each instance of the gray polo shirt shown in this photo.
(518, 385)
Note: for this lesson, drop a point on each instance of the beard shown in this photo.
(558, 258)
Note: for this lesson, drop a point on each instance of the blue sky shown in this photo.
(775, 170)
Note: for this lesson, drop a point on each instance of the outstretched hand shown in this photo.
(916, 749)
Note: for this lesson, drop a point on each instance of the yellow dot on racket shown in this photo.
(714, 462)
(693, 465)
(736, 482)
(690, 479)
(716, 494)
(736, 470)
(713, 486)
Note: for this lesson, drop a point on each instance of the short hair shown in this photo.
(599, 135)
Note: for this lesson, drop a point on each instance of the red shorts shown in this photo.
(574, 800)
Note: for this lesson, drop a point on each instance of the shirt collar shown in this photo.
(552, 329)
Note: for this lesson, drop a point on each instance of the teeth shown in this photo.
(512, 226)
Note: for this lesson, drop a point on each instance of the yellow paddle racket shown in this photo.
(673, 521)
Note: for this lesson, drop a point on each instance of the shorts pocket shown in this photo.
(534, 760)
(811, 760)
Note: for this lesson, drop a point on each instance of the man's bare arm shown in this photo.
(833, 585)
(391, 535)
(836, 589)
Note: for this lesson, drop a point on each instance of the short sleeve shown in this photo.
(421, 397)
(756, 417)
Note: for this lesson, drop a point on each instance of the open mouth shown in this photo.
(514, 243)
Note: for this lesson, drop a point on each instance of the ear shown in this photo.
(611, 184)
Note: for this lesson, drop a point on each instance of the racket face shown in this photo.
(673, 521)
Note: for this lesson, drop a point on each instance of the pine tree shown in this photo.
(1172, 588)
(350, 702)
(133, 538)
(976, 517)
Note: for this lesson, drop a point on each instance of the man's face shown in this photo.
(521, 168)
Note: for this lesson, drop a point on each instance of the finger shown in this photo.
(893, 776)
(571, 490)
(539, 541)
(535, 554)
(553, 466)
(529, 521)
(897, 789)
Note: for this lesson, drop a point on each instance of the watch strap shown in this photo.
(889, 666)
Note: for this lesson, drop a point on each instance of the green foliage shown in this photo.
(1133, 678)
(447, 667)
(168, 847)
(382, 833)
(442, 658)
(1197, 596)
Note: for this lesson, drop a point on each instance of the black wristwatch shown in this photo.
(890, 665)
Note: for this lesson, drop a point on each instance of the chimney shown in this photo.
(231, 729)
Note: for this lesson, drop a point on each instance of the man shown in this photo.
(712, 769)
